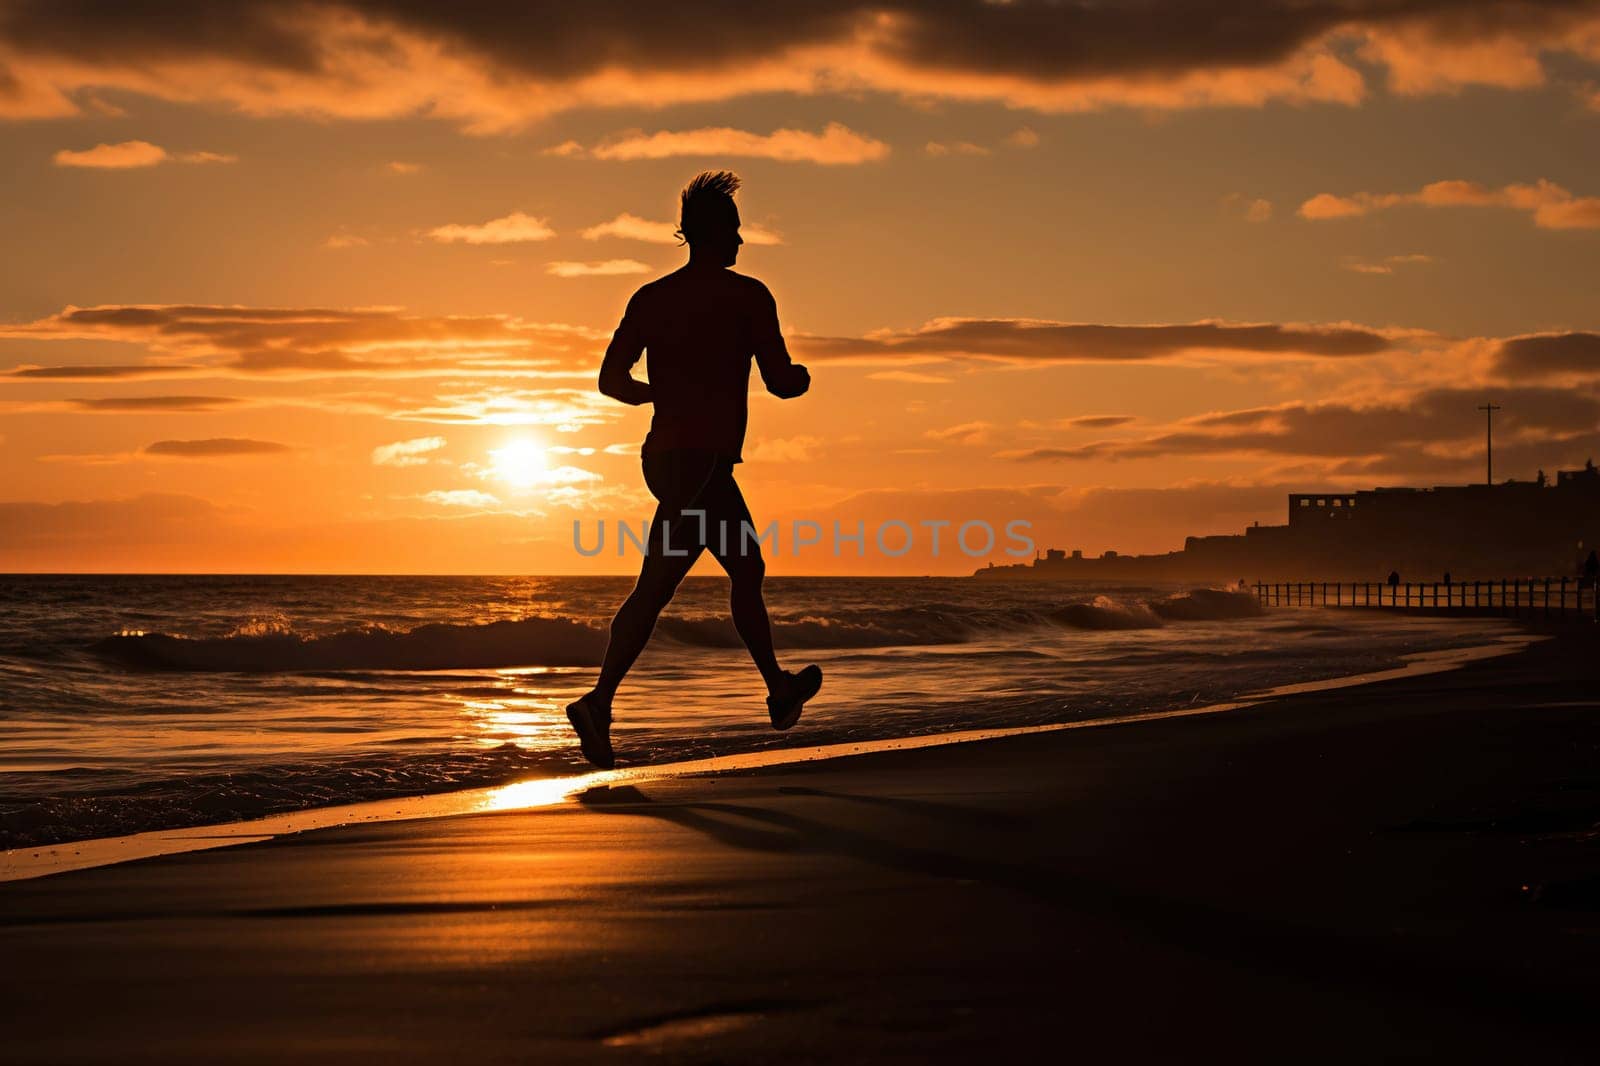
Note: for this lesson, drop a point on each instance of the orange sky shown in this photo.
(324, 286)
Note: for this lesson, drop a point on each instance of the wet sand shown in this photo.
(1402, 870)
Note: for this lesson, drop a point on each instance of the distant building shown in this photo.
(1513, 528)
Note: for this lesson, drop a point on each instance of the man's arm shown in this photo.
(616, 369)
(784, 377)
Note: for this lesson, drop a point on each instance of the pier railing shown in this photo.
(1548, 597)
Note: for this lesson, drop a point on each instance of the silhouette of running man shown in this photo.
(698, 327)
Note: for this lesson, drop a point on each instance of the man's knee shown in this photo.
(655, 587)
(747, 571)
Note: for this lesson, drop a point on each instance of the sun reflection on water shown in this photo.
(540, 792)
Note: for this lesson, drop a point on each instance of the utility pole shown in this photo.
(1488, 410)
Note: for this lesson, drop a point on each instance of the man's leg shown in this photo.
(727, 515)
(635, 620)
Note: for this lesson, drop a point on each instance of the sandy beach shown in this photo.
(1403, 870)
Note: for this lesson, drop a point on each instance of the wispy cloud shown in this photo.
(126, 404)
(939, 148)
(1386, 265)
(801, 449)
(1249, 208)
(965, 433)
(633, 228)
(231, 341)
(214, 448)
(601, 269)
(1030, 340)
(98, 372)
(345, 240)
(909, 377)
(412, 452)
(835, 145)
(1550, 205)
(1432, 430)
(1098, 421)
(514, 228)
(130, 155)
(471, 498)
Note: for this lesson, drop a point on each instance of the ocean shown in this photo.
(134, 703)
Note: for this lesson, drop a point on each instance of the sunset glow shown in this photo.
(1127, 285)
(520, 464)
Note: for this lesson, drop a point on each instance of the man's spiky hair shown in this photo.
(707, 192)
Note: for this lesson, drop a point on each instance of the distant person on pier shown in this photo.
(1591, 568)
(1394, 585)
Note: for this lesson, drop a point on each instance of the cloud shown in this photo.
(512, 229)
(1249, 208)
(492, 69)
(1036, 340)
(1384, 266)
(124, 156)
(1431, 431)
(212, 340)
(801, 449)
(1549, 355)
(836, 145)
(129, 155)
(909, 377)
(563, 409)
(472, 498)
(154, 403)
(602, 268)
(965, 433)
(1023, 137)
(633, 228)
(940, 148)
(95, 372)
(214, 448)
(344, 240)
(1550, 205)
(400, 166)
(1098, 421)
(406, 452)
(569, 475)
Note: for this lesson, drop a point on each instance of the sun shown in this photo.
(520, 463)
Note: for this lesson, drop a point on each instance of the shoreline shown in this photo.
(29, 863)
(1399, 870)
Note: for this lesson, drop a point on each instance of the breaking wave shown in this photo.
(270, 646)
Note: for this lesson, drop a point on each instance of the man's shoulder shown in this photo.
(752, 288)
(651, 288)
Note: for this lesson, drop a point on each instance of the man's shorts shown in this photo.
(686, 483)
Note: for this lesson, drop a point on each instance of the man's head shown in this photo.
(709, 221)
